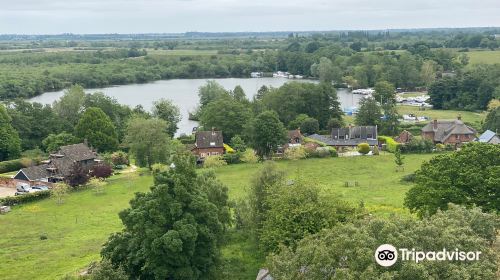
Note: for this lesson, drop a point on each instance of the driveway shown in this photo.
(7, 192)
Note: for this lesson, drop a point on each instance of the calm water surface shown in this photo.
(184, 93)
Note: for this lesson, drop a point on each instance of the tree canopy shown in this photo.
(175, 230)
(369, 112)
(10, 144)
(267, 133)
(96, 127)
(468, 177)
(164, 109)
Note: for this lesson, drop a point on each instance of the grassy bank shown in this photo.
(77, 229)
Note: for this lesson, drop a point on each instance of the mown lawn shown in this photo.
(77, 229)
(487, 57)
(474, 118)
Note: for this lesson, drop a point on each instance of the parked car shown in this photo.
(40, 188)
(24, 188)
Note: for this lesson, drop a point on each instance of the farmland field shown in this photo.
(77, 229)
(488, 57)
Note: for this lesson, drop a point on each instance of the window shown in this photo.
(457, 137)
(369, 136)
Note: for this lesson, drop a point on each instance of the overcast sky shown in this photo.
(146, 16)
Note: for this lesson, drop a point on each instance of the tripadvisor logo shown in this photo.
(387, 255)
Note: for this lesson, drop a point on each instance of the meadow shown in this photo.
(76, 229)
(487, 57)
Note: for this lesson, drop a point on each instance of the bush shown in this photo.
(119, 158)
(391, 144)
(363, 148)
(232, 158)
(376, 152)
(214, 162)
(322, 152)
(249, 156)
(101, 170)
(295, 153)
(25, 198)
(417, 145)
(11, 165)
(186, 139)
(409, 178)
(440, 147)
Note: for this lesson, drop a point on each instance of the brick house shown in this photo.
(59, 164)
(453, 132)
(208, 143)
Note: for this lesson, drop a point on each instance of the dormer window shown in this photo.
(212, 143)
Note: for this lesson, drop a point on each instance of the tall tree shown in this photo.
(267, 133)
(239, 94)
(492, 121)
(468, 177)
(164, 109)
(227, 115)
(175, 230)
(70, 105)
(369, 112)
(346, 251)
(96, 127)
(384, 92)
(10, 144)
(211, 91)
(148, 141)
(53, 142)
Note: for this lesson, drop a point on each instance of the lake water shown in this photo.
(184, 93)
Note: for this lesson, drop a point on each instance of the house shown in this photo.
(453, 132)
(404, 137)
(295, 138)
(59, 164)
(208, 143)
(489, 137)
(349, 136)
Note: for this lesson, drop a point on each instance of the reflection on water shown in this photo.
(184, 93)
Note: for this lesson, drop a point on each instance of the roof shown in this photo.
(209, 139)
(328, 140)
(445, 128)
(486, 136)
(60, 163)
(292, 134)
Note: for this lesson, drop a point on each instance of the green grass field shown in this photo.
(77, 229)
(487, 57)
(467, 116)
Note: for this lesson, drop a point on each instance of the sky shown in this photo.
(177, 16)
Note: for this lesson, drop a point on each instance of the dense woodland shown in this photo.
(408, 60)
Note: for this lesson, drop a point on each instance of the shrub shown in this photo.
(322, 152)
(376, 152)
(78, 175)
(295, 153)
(119, 158)
(25, 198)
(59, 191)
(102, 170)
(391, 144)
(232, 158)
(440, 147)
(363, 148)
(249, 156)
(11, 165)
(97, 185)
(186, 139)
(214, 162)
(409, 178)
(418, 145)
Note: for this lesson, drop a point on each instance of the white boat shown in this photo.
(281, 74)
(364, 91)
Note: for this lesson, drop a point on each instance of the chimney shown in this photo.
(435, 124)
(86, 142)
(213, 130)
(459, 117)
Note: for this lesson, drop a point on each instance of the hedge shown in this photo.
(20, 199)
(11, 165)
(392, 145)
